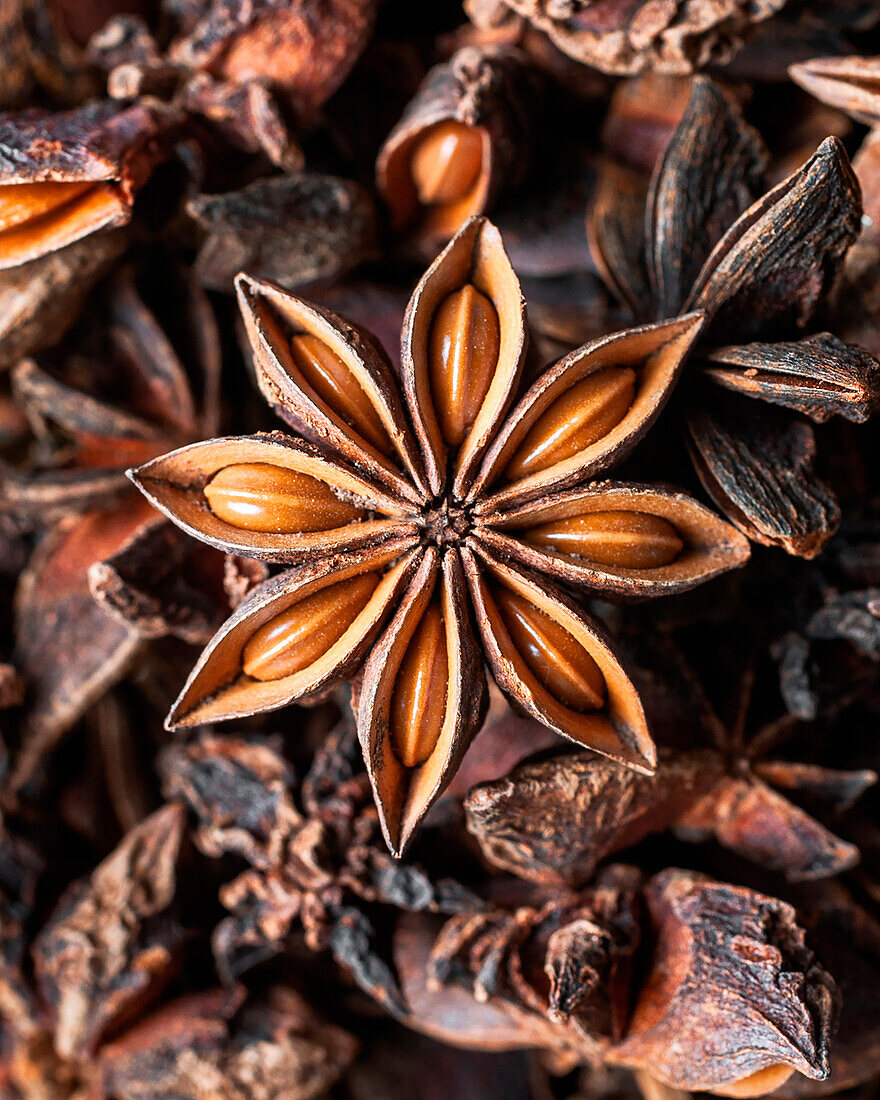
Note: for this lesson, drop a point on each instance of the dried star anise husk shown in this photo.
(315, 854)
(715, 945)
(678, 36)
(700, 237)
(558, 973)
(432, 530)
(257, 72)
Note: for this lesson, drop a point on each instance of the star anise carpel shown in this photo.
(704, 233)
(439, 524)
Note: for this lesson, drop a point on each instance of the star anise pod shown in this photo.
(734, 792)
(676, 37)
(558, 973)
(702, 236)
(417, 516)
(69, 174)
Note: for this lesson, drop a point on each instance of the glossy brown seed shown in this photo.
(579, 418)
(25, 202)
(328, 376)
(304, 632)
(629, 540)
(555, 657)
(462, 356)
(256, 496)
(418, 705)
(446, 162)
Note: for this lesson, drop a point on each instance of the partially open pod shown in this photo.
(726, 953)
(458, 141)
(620, 539)
(554, 661)
(439, 325)
(295, 636)
(331, 381)
(68, 174)
(284, 498)
(819, 376)
(422, 698)
(586, 412)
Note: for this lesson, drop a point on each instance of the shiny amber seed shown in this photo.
(418, 705)
(304, 632)
(446, 162)
(579, 418)
(330, 378)
(256, 496)
(25, 202)
(462, 356)
(628, 540)
(556, 658)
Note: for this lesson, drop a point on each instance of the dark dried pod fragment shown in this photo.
(595, 807)
(460, 140)
(819, 376)
(757, 465)
(630, 37)
(735, 1002)
(293, 229)
(303, 48)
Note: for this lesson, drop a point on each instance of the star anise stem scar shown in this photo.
(440, 525)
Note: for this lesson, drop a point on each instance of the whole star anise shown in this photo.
(415, 516)
(704, 235)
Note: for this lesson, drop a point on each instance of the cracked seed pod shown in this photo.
(65, 176)
(460, 140)
(674, 37)
(735, 1002)
(409, 572)
(703, 235)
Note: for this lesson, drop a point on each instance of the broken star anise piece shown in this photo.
(425, 526)
(728, 953)
(66, 175)
(703, 234)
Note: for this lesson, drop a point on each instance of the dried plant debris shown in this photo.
(347, 748)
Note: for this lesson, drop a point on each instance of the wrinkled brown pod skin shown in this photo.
(699, 971)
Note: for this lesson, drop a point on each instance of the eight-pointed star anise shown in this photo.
(704, 235)
(412, 518)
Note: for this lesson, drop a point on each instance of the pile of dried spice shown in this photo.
(369, 371)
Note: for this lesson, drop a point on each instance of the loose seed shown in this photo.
(304, 632)
(579, 418)
(418, 705)
(462, 356)
(630, 540)
(25, 202)
(556, 658)
(330, 378)
(446, 162)
(257, 496)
